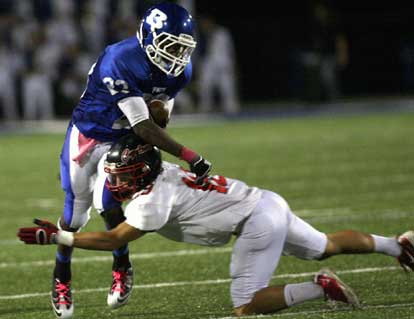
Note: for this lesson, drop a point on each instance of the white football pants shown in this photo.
(272, 229)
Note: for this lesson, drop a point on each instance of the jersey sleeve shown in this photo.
(135, 109)
(151, 210)
(147, 217)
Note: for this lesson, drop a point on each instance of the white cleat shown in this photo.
(61, 299)
(121, 288)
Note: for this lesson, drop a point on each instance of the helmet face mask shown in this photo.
(166, 34)
(131, 165)
(171, 53)
(124, 182)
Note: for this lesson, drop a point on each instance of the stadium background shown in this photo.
(380, 39)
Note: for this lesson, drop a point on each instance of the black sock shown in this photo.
(113, 217)
(121, 261)
(63, 267)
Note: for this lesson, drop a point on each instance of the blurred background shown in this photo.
(305, 56)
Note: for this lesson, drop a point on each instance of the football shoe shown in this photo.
(406, 259)
(61, 298)
(335, 289)
(121, 288)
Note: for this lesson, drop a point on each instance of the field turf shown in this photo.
(336, 172)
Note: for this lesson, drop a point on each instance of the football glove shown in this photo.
(45, 234)
(201, 167)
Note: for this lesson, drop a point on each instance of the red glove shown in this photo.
(43, 235)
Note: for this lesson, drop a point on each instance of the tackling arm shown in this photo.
(109, 240)
(47, 233)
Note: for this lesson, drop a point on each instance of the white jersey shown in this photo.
(180, 210)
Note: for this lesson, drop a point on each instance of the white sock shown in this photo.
(298, 293)
(387, 245)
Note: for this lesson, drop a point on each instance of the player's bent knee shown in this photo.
(64, 226)
(74, 222)
(331, 248)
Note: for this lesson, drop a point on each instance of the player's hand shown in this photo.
(44, 234)
(201, 167)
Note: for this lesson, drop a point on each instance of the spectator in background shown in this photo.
(71, 83)
(215, 67)
(37, 96)
(185, 101)
(11, 64)
(326, 54)
(37, 87)
(93, 19)
(407, 63)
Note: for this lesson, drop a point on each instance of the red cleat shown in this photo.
(406, 259)
(335, 289)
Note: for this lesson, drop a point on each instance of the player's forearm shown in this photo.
(153, 134)
(89, 240)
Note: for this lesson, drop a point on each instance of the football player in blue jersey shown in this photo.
(147, 69)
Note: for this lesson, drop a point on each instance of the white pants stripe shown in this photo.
(78, 179)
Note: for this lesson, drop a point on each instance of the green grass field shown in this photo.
(337, 173)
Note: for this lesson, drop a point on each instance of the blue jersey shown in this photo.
(122, 70)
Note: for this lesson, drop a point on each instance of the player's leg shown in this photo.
(111, 211)
(329, 76)
(76, 180)
(228, 91)
(256, 253)
(8, 97)
(305, 242)
(276, 212)
(355, 242)
(61, 296)
(29, 98)
(302, 241)
(206, 87)
(46, 98)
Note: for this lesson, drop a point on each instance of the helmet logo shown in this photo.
(129, 156)
(156, 19)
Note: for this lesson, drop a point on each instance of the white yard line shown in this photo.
(202, 282)
(8, 242)
(177, 253)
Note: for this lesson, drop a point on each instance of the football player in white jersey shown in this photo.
(165, 198)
